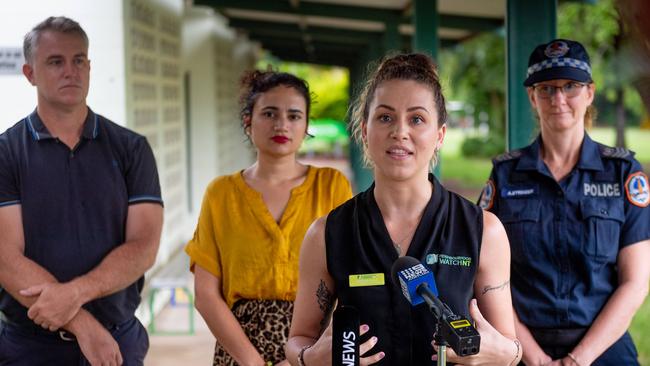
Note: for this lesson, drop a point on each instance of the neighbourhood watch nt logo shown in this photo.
(449, 260)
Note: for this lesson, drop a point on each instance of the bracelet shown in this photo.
(518, 344)
(573, 358)
(301, 355)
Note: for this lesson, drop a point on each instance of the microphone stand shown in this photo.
(442, 346)
(436, 306)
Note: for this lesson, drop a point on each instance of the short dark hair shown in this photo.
(254, 83)
(54, 24)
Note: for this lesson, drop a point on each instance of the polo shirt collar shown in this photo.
(39, 132)
(589, 156)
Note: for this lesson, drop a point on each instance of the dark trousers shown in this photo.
(21, 346)
(558, 342)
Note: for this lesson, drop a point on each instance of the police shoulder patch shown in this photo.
(487, 196)
(637, 190)
(614, 152)
(509, 155)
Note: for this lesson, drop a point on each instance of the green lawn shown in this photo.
(637, 141)
(640, 331)
(471, 175)
(468, 173)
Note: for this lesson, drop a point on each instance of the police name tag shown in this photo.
(518, 192)
(367, 279)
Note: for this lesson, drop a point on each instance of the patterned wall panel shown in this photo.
(155, 100)
(234, 150)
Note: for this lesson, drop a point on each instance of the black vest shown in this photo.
(447, 240)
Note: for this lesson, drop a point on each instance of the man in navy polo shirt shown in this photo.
(80, 218)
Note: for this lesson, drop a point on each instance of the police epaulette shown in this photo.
(508, 155)
(615, 152)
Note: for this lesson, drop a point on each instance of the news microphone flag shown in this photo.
(411, 273)
(345, 336)
(418, 286)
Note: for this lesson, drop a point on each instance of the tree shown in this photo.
(328, 85)
(474, 72)
(635, 15)
(600, 29)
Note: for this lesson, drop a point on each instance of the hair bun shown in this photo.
(250, 80)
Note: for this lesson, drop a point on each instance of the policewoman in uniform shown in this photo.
(347, 256)
(577, 217)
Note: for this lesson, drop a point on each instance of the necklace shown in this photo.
(397, 245)
(398, 249)
(411, 226)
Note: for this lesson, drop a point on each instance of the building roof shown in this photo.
(337, 32)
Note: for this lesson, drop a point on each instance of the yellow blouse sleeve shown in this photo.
(341, 189)
(203, 249)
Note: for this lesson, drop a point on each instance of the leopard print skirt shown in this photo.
(266, 324)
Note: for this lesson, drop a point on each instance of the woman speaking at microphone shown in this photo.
(347, 256)
(576, 213)
(245, 249)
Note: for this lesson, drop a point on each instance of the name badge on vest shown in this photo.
(367, 279)
(518, 192)
(601, 190)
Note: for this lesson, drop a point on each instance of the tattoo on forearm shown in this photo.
(325, 302)
(487, 289)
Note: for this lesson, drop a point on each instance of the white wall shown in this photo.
(199, 26)
(102, 21)
(214, 57)
(155, 104)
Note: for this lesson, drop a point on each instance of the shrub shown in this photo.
(483, 147)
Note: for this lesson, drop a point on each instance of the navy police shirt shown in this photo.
(565, 236)
(74, 203)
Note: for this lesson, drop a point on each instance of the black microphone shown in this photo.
(418, 286)
(345, 336)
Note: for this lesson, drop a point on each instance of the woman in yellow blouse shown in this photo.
(245, 249)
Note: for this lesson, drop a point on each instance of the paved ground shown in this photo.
(180, 350)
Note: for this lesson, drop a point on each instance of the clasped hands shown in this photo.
(56, 304)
